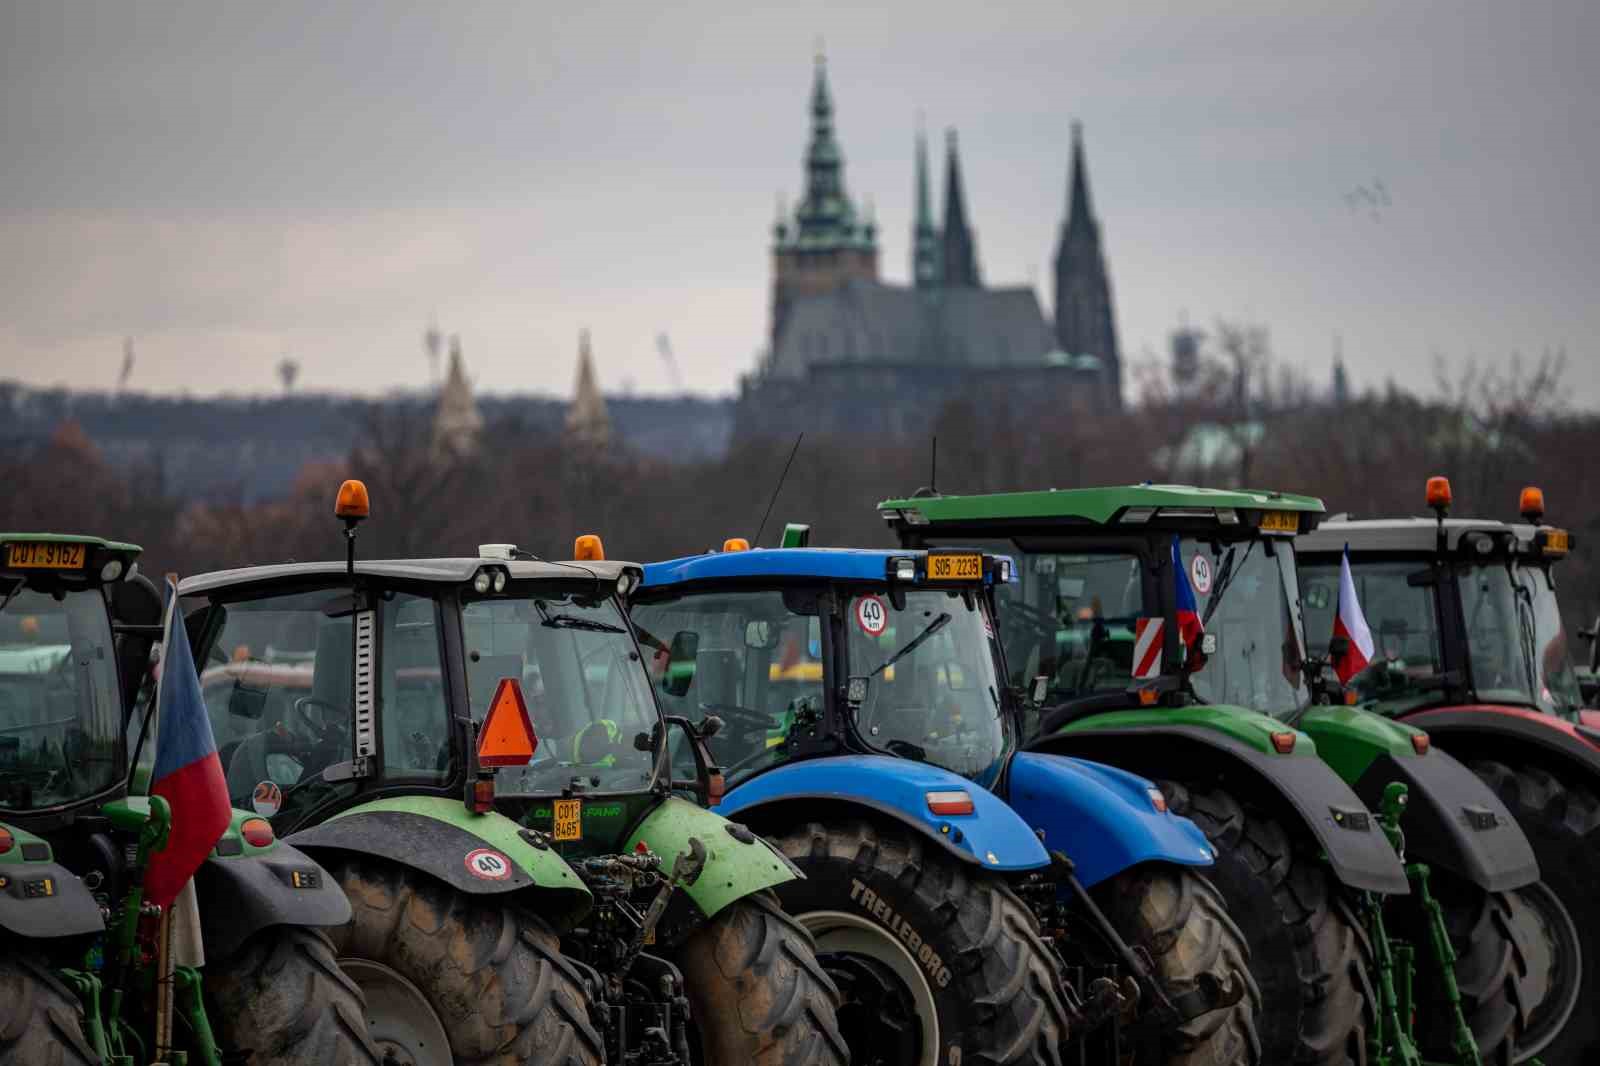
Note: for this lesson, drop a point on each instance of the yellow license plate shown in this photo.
(569, 820)
(45, 556)
(1280, 521)
(951, 567)
(1557, 540)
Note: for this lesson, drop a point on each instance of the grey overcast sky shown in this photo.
(232, 182)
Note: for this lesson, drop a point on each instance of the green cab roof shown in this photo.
(1100, 505)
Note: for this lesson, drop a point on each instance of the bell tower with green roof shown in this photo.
(825, 243)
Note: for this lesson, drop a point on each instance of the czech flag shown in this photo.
(188, 774)
(1351, 624)
(1190, 628)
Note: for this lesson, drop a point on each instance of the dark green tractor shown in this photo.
(472, 747)
(237, 968)
(1162, 627)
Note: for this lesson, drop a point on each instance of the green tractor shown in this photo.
(1159, 629)
(472, 747)
(91, 971)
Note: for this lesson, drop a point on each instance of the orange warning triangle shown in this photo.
(507, 737)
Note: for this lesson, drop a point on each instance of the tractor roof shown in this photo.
(87, 566)
(452, 571)
(858, 564)
(1100, 506)
(118, 546)
(1419, 535)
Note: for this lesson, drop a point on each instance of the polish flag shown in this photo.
(1350, 623)
(1146, 648)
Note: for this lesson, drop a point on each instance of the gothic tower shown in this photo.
(825, 244)
(1085, 323)
(960, 250)
(927, 254)
(588, 421)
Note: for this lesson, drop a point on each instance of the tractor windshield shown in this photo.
(752, 658)
(1556, 683)
(587, 691)
(933, 690)
(1248, 597)
(60, 724)
(1408, 659)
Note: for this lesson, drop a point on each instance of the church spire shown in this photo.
(457, 420)
(925, 251)
(960, 252)
(826, 217)
(588, 421)
(1079, 211)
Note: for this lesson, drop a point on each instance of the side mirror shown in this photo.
(681, 656)
(246, 702)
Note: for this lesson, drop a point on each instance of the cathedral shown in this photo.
(846, 349)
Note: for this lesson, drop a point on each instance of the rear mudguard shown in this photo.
(1453, 820)
(738, 863)
(1483, 730)
(39, 897)
(242, 889)
(1340, 823)
(479, 854)
(992, 836)
(1104, 819)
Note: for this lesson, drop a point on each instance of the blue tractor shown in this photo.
(974, 902)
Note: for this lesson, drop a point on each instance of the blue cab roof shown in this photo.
(850, 564)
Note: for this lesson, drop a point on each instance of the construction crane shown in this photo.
(664, 346)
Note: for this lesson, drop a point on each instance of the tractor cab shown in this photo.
(330, 684)
(825, 651)
(1462, 611)
(63, 723)
(1108, 583)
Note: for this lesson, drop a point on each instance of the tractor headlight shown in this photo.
(482, 582)
(111, 571)
(499, 580)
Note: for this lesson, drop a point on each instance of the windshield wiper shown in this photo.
(572, 621)
(914, 643)
(1225, 575)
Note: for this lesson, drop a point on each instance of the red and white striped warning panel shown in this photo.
(1147, 648)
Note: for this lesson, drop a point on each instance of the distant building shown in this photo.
(588, 421)
(457, 420)
(850, 353)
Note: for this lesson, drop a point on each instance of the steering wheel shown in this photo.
(324, 734)
(746, 717)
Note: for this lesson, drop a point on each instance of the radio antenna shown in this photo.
(933, 468)
(756, 541)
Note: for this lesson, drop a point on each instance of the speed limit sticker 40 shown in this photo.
(488, 865)
(872, 616)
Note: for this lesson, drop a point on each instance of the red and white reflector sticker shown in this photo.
(953, 802)
(1147, 648)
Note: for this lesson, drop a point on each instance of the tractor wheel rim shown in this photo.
(840, 935)
(400, 1020)
(1566, 971)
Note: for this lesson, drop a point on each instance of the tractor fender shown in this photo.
(1299, 785)
(243, 893)
(40, 898)
(1453, 820)
(738, 863)
(1498, 731)
(1104, 819)
(479, 854)
(992, 836)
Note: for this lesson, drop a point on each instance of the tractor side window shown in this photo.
(752, 659)
(1558, 688)
(1072, 618)
(1248, 596)
(1500, 637)
(276, 679)
(60, 724)
(416, 720)
(1407, 653)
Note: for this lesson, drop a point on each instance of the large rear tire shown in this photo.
(41, 1021)
(1502, 966)
(281, 1000)
(486, 977)
(1181, 921)
(1561, 818)
(939, 961)
(1306, 945)
(758, 994)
